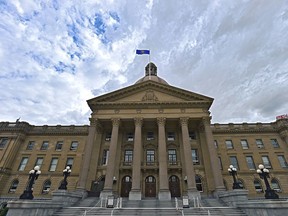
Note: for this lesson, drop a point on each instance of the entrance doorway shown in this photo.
(126, 186)
(174, 186)
(150, 186)
(97, 187)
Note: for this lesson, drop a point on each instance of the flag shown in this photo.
(141, 52)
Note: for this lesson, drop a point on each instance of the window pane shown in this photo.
(23, 163)
(275, 185)
(150, 135)
(3, 142)
(45, 145)
(128, 157)
(130, 137)
(192, 135)
(250, 162)
(53, 164)
(195, 158)
(266, 162)
(229, 144)
(275, 143)
(258, 186)
(105, 157)
(234, 162)
(13, 186)
(74, 145)
(172, 157)
(108, 137)
(30, 145)
(244, 144)
(282, 161)
(170, 136)
(39, 162)
(259, 143)
(69, 162)
(59, 146)
(150, 157)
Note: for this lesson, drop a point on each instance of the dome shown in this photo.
(152, 75)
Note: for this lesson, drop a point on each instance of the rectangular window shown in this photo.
(23, 163)
(30, 145)
(266, 162)
(108, 137)
(59, 146)
(74, 145)
(130, 137)
(105, 157)
(3, 142)
(170, 136)
(274, 143)
(250, 163)
(69, 162)
(216, 144)
(172, 157)
(192, 135)
(150, 135)
(220, 163)
(195, 157)
(150, 157)
(234, 162)
(128, 157)
(229, 144)
(259, 143)
(39, 161)
(282, 161)
(244, 144)
(44, 145)
(53, 164)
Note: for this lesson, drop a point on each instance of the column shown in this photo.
(94, 128)
(214, 161)
(164, 193)
(189, 167)
(108, 185)
(135, 193)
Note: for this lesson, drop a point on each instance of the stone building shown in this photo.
(149, 139)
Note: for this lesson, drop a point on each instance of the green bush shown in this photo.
(3, 211)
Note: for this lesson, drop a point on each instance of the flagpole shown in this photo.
(149, 65)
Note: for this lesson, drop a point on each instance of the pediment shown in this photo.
(150, 92)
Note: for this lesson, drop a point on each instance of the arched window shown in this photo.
(13, 186)
(198, 183)
(275, 185)
(258, 186)
(46, 187)
(241, 183)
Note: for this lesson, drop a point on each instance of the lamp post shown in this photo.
(33, 175)
(233, 171)
(264, 174)
(66, 173)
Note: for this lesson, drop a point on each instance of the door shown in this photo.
(126, 186)
(150, 186)
(174, 186)
(97, 187)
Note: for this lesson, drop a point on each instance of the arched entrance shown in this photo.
(126, 186)
(174, 186)
(97, 186)
(150, 186)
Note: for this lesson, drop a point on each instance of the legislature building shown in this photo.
(149, 139)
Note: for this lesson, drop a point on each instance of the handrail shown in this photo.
(85, 212)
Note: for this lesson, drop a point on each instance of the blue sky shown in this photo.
(55, 55)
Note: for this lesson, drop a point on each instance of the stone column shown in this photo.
(94, 129)
(164, 193)
(189, 167)
(214, 161)
(135, 193)
(108, 186)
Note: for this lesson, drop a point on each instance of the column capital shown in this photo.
(206, 120)
(184, 121)
(161, 121)
(138, 121)
(96, 123)
(115, 122)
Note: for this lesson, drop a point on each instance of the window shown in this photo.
(30, 145)
(216, 144)
(220, 163)
(259, 143)
(244, 144)
(195, 157)
(229, 144)
(39, 161)
(282, 161)
(234, 162)
(275, 143)
(23, 163)
(258, 186)
(150, 135)
(241, 183)
(3, 142)
(59, 146)
(44, 145)
(13, 186)
(46, 187)
(105, 157)
(275, 185)
(53, 164)
(171, 136)
(74, 145)
(108, 137)
(198, 183)
(150, 157)
(130, 137)
(128, 157)
(250, 163)
(266, 162)
(172, 157)
(192, 135)
(69, 162)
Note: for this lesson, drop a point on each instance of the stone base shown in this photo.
(135, 195)
(105, 193)
(164, 195)
(233, 197)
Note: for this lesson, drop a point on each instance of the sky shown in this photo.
(55, 55)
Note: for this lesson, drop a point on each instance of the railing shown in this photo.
(118, 205)
(95, 206)
(177, 206)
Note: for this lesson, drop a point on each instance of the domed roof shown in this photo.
(152, 75)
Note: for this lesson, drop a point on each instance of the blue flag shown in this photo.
(141, 52)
